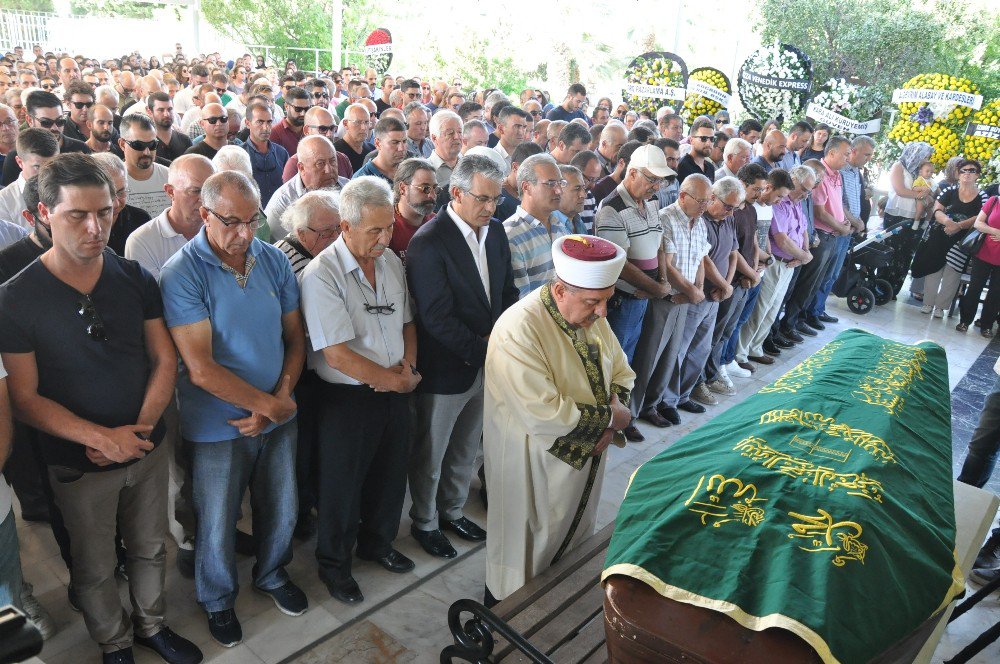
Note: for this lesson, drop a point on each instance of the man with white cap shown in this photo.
(557, 394)
(629, 219)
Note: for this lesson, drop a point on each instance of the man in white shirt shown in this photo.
(145, 177)
(35, 148)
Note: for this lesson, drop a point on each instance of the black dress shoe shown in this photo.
(434, 542)
(691, 407)
(393, 561)
(778, 341)
(793, 336)
(656, 419)
(827, 318)
(814, 323)
(170, 647)
(632, 434)
(347, 591)
(465, 529)
(668, 413)
(802, 328)
(770, 349)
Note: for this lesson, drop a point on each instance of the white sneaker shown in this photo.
(733, 369)
(938, 313)
(724, 376)
(36, 612)
(702, 395)
(927, 308)
(720, 387)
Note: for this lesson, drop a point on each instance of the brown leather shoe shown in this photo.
(632, 434)
(747, 366)
(655, 419)
(761, 359)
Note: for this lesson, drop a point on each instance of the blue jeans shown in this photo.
(729, 351)
(818, 306)
(625, 318)
(984, 447)
(220, 474)
(10, 562)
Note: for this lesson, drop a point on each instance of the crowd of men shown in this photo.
(163, 356)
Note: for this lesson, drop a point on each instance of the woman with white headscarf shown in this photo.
(900, 207)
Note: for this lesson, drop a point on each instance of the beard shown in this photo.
(424, 208)
(296, 122)
(144, 162)
(101, 136)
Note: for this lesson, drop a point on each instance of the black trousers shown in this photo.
(980, 272)
(308, 396)
(810, 277)
(363, 454)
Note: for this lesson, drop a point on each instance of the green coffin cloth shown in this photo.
(822, 505)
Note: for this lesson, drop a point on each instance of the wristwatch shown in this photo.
(769, 261)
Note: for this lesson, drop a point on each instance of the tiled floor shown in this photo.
(404, 616)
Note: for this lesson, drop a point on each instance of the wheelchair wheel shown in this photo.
(882, 290)
(860, 300)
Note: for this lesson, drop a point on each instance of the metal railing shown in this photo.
(25, 29)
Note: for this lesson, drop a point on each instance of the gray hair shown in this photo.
(728, 185)
(526, 172)
(492, 99)
(297, 215)
(471, 126)
(241, 186)
(106, 90)
(834, 143)
(695, 178)
(110, 163)
(395, 97)
(801, 173)
(470, 165)
(233, 158)
(736, 146)
(648, 124)
(413, 106)
(407, 170)
(363, 192)
(862, 140)
(567, 169)
(439, 118)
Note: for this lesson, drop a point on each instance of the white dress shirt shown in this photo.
(477, 246)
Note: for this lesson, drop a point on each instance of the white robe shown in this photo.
(534, 381)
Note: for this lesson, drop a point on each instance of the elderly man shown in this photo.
(319, 122)
(698, 159)
(237, 412)
(171, 143)
(457, 303)
(685, 240)
(831, 223)
(44, 111)
(474, 135)
(512, 125)
(629, 219)
(572, 140)
(317, 169)
(790, 248)
(145, 177)
(267, 158)
(417, 119)
(390, 141)
(799, 137)
(354, 143)
(8, 130)
(671, 126)
(612, 139)
(364, 348)
(38, 147)
(557, 391)
(215, 123)
(446, 134)
(415, 191)
(735, 156)
(573, 199)
(97, 409)
(772, 150)
(589, 165)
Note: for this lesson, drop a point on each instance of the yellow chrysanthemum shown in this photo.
(695, 105)
(981, 148)
(959, 114)
(943, 139)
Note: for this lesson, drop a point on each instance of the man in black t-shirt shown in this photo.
(697, 161)
(92, 367)
(46, 111)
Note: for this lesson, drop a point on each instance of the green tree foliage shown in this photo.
(885, 42)
(478, 71)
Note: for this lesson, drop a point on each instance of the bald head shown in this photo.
(317, 162)
(311, 147)
(149, 85)
(127, 80)
(612, 139)
(774, 146)
(189, 169)
(318, 119)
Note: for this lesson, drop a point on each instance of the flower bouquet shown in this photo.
(982, 138)
(708, 91)
(654, 80)
(942, 138)
(948, 112)
(847, 107)
(775, 81)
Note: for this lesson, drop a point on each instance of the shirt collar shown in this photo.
(201, 247)
(163, 226)
(465, 228)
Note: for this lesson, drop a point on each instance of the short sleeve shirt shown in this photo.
(722, 239)
(100, 381)
(338, 304)
(790, 220)
(829, 195)
(688, 242)
(246, 326)
(635, 227)
(746, 232)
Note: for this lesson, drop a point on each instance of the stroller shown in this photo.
(857, 281)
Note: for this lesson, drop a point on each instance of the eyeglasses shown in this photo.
(298, 109)
(704, 139)
(968, 170)
(323, 129)
(321, 95)
(253, 224)
(700, 201)
(383, 309)
(650, 180)
(78, 105)
(140, 146)
(216, 119)
(323, 235)
(535, 114)
(95, 326)
(552, 184)
(427, 189)
(486, 200)
(47, 123)
(727, 208)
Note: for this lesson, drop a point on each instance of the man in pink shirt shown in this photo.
(830, 223)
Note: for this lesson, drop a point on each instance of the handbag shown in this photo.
(973, 242)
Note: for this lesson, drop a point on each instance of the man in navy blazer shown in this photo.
(460, 276)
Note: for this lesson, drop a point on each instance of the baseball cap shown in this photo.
(652, 159)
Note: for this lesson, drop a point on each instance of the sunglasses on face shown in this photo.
(323, 129)
(47, 123)
(299, 109)
(704, 139)
(220, 91)
(321, 95)
(216, 119)
(79, 105)
(48, 86)
(142, 146)
(969, 170)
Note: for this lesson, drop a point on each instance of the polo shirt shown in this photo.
(687, 166)
(443, 174)
(687, 241)
(335, 293)
(788, 219)
(246, 326)
(152, 244)
(178, 145)
(829, 195)
(746, 234)
(722, 242)
(267, 168)
(531, 249)
(371, 169)
(357, 159)
(100, 381)
(635, 227)
(148, 194)
(285, 136)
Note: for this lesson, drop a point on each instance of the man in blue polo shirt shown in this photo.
(390, 143)
(232, 305)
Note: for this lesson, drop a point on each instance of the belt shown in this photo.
(820, 230)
